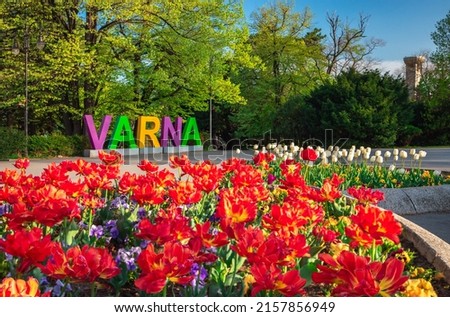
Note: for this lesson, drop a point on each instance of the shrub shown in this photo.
(55, 145)
(12, 143)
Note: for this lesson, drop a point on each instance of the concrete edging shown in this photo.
(433, 248)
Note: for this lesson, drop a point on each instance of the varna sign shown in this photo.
(147, 130)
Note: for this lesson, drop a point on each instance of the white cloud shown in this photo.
(394, 67)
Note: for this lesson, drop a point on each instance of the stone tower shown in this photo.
(413, 73)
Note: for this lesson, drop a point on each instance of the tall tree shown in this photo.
(288, 49)
(347, 46)
(133, 56)
(434, 88)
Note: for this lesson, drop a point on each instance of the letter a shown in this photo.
(190, 132)
(122, 133)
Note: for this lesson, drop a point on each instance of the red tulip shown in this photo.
(173, 264)
(354, 275)
(9, 287)
(372, 224)
(22, 164)
(271, 278)
(366, 195)
(309, 154)
(111, 158)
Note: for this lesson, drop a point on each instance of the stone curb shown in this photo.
(433, 248)
(416, 200)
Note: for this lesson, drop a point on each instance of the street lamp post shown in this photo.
(16, 50)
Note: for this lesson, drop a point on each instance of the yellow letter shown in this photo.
(144, 132)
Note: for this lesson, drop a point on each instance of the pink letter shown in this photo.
(97, 140)
(168, 130)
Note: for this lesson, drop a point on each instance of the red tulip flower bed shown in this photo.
(236, 229)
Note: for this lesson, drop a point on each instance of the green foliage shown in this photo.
(56, 145)
(289, 51)
(12, 143)
(296, 120)
(434, 89)
(362, 107)
(121, 58)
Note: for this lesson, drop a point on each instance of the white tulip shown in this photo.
(255, 147)
(358, 153)
(416, 156)
(387, 154)
(422, 154)
(285, 148)
(328, 153)
(334, 158)
(366, 156)
(395, 152)
(263, 150)
(395, 157)
(350, 157)
(373, 158)
(377, 153)
(238, 151)
(436, 173)
(391, 167)
(401, 171)
(344, 152)
(256, 152)
(379, 159)
(403, 154)
(412, 151)
(324, 161)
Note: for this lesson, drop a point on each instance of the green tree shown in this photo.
(434, 88)
(289, 51)
(362, 107)
(127, 57)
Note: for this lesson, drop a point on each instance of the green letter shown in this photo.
(190, 132)
(122, 133)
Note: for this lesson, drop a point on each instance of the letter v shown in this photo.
(97, 139)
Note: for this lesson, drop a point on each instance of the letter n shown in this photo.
(169, 132)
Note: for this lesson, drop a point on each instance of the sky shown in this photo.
(404, 25)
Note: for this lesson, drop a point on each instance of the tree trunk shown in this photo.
(90, 85)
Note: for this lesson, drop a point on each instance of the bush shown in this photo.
(12, 143)
(56, 145)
